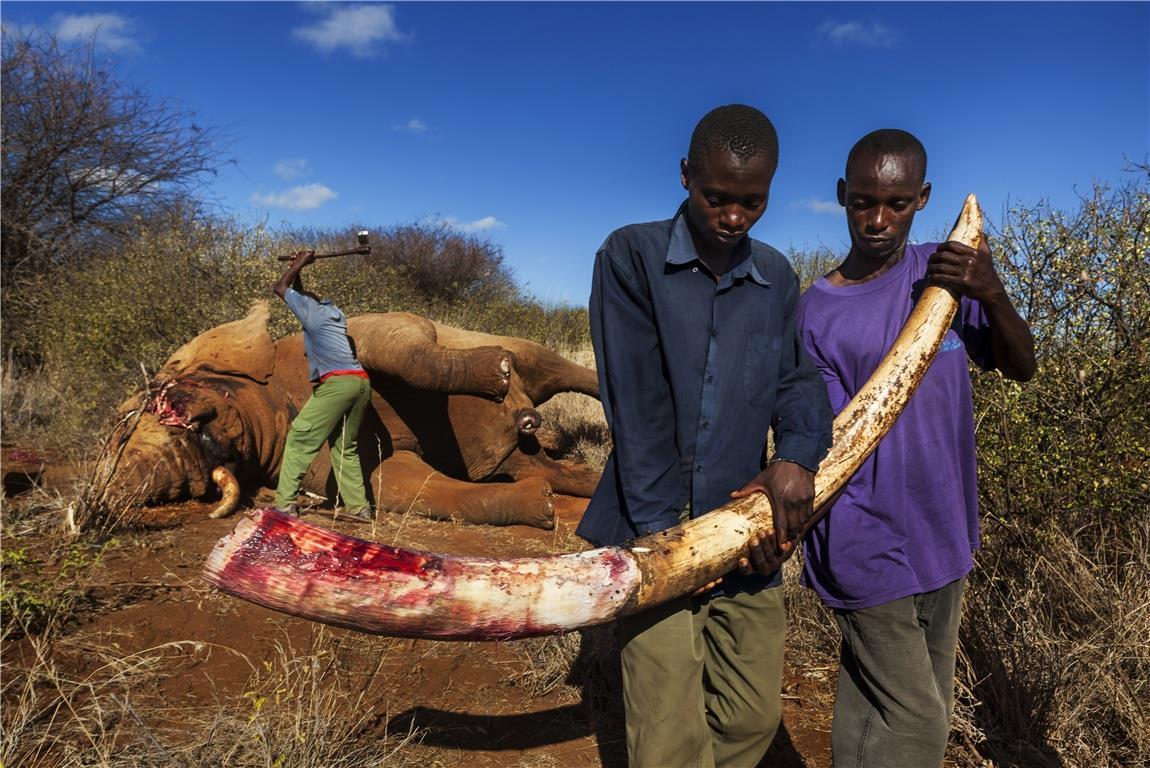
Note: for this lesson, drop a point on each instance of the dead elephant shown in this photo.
(450, 408)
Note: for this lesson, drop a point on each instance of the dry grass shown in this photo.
(304, 707)
(812, 638)
(1057, 648)
(308, 707)
(26, 400)
(547, 663)
(573, 425)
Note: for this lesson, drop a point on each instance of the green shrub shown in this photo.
(1056, 660)
(1072, 447)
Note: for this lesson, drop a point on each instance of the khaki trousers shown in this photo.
(702, 680)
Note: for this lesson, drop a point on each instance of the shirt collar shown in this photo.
(748, 268)
(681, 250)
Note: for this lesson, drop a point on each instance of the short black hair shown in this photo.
(742, 130)
(890, 141)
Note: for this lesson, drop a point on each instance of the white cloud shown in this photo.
(414, 125)
(292, 168)
(479, 225)
(482, 225)
(107, 30)
(302, 198)
(868, 35)
(361, 29)
(815, 205)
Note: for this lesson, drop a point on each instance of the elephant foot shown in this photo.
(490, 369)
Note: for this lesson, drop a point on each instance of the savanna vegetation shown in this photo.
(110, 262)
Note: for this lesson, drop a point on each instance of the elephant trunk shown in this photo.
(159, 464)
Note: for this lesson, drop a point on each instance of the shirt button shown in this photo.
(694, 269)
(705, 424)
(698, 469)
(710, 379)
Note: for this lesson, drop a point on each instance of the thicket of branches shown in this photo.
(1058, 620)
(85, 156)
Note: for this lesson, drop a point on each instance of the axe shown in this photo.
(361, 248)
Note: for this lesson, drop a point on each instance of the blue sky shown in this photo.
(543, 126)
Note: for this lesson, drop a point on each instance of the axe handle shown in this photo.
(360, 249)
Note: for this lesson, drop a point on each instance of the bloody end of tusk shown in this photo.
(230, 488)
(287, 564)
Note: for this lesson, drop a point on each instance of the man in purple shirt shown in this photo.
(892, 555)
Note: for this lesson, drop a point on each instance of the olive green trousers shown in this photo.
(332, 414)
(702, 680)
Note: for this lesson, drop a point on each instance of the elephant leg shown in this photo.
(405, 483)
(564, 477)
(546, 374)
(406, 347)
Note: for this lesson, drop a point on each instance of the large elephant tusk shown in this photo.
(230, 488)
(304, 570)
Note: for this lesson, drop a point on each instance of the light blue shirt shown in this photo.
(325, 339)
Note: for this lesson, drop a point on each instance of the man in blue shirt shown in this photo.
(335, 409)
(692, 325)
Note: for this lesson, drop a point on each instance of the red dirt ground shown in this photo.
(474, 704)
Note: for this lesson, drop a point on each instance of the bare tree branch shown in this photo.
(85, 154)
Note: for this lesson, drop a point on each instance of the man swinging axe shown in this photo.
(341, 392)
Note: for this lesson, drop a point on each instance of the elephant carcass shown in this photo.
(449, 408)
(302, 570)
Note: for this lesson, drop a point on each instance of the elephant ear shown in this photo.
(239, 348)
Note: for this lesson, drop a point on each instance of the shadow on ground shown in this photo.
(599, 712)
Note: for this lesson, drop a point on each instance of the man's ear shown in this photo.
(684, 173)
(841, 192)
(923, 196)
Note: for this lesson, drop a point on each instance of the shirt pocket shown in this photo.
(761, 368)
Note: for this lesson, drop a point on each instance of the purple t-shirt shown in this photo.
(907, 521)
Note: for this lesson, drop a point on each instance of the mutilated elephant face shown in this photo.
(186, 429)
(193, 418)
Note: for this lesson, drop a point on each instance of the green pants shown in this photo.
(332, 413)
(896, 681)
(702, 680)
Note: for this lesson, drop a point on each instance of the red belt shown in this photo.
(351, 372)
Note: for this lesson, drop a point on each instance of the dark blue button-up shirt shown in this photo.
(692, 374)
